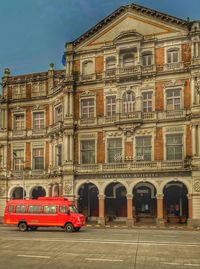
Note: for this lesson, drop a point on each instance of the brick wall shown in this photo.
(28, 118)
(77, 66)
(129, 149)
(187, 95)
(159, 96)
(76, 105)
(28, 155)
(188, 141)
(47, 87)
(9, 92)
(99, 66)
(9, 120)
(28, 90)
(158, 145)
(159, 59)
(100, 148)
(186, 54)
(99, 103)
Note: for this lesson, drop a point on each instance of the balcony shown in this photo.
(88, 77)
(38, 132)
(19, 133)
(133, 166)
(172, 114)
(173, 66)
(196, 61)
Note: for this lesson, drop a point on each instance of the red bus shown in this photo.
(43, 212)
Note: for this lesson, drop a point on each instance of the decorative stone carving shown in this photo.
(197, 186)
(129, 130)
(2, 190)
(68, 188)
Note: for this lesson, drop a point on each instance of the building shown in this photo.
(118, 130)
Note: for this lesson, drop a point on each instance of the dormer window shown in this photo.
(87, 68)
(172, 56)
(128, 102)
(147, 58)
(110, 63)
(128, 60)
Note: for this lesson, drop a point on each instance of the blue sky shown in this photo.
(33, 32)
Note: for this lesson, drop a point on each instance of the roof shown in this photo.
(123, 9)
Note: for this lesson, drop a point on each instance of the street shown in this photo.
(99, 248)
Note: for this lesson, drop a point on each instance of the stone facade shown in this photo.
(118, 130)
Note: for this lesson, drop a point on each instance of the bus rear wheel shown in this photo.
(23, 226)
(69, 227)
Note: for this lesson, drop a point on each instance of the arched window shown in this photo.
(128, 60)
(173, 56)
(128, 102)
(110, 63)
(87, 68)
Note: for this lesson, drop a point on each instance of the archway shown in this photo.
(175, 202)
(88, 202)
(115, 202)
(38, 192)
(144, 202)
(17, 193)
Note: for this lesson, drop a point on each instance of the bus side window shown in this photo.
(20, 209)
(50, 209)
(62, 209)
(34, 209)
(10, 208)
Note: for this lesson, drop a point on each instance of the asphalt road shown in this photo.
(99, 248)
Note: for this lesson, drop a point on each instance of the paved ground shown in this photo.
(99, 248)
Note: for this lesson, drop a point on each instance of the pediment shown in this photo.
(130, 23)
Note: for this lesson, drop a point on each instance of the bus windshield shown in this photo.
(73, 209)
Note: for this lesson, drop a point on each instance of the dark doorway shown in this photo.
(18, 193)
(38, 192)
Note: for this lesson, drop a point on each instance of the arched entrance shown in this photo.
(18, 193)
(38, 192)
(115, 202)
(144, 202)
(175, 202)
(88, 202)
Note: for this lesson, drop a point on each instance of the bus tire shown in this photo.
(69, 227)
(23, 227)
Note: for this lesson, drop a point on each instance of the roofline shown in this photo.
(140, 8)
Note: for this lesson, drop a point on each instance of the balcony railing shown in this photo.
(196, 61)
(133, 166)
(173, 66)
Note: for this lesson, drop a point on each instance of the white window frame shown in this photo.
(181, 97)
(81, 109)
(152, 146)
(106, 148)
(21, 165)
(55, 113)
(147, 53)
(33, 163)
(129, 104)
(183, 146)
(152, 100)
(106, 105)
(173, 48)
(85, 61)
(95, 149)
(56, 154)
(38, 92)
(19, 91)
(14, 121)
(37, 112)
(107, 60)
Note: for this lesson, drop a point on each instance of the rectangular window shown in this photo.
(172, 56)
(50, 209)
(58, 155)
(59, 113)
(147, 101)
(110, 106)
(19, 122)
(18, 159)
(174, 147)
(20, 209)
(19, 92)
(88, 151)
(38, 159)
(34, 209)
(87, 108)
(38, 120)
(147, 59)
(173, 101)
(143, 148)
(38, 89)
(114, 150)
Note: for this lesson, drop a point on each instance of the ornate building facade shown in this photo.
(118, 130)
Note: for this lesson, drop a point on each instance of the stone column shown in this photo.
(190, 213)
(129, 220)
(198, 136)
(194, 152)
(65, 148)
(49, 190)
(60, 189)
(160, 219)
(193, 94)
(66, 103)
(71, 107)
(71, 148)
(101, 219)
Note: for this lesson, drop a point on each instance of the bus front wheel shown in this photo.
(23, 226)
(69, 227)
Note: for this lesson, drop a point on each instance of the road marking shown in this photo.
(191, 264)
(34, 256)
(171, 263)
(94, 241)
(103, 260)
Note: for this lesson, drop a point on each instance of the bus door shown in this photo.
(64, 214)
(50, 215)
